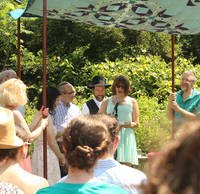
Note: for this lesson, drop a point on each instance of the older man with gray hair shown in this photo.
(6, 75)
(186, 102)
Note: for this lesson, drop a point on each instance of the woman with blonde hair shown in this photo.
(12, 95)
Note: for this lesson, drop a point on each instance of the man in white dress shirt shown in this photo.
(99, 90)
(65, 112)
(109, 170)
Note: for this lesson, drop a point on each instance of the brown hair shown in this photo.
(9, 153)
(121, 79)
(85, 140)
(111, 124)
(177, 169)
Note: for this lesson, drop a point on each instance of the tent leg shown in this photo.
(173, 83)
(18, 49)
(44, 84)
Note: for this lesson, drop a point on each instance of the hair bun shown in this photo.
(84, 152)
(84, 149)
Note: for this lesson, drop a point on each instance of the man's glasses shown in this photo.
(73, 92)
(186, 80)
(120, 86)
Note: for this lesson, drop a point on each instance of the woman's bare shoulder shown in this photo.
(16, 113)
(133, 100)
(18, 117)
(35, 181)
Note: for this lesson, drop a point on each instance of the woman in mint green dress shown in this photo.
(126, 110)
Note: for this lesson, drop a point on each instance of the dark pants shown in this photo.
(63, 169)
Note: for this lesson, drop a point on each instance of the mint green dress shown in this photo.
(127, 148)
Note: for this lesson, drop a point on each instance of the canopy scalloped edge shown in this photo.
(167, 16)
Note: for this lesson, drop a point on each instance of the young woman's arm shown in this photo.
(135, 114)
(53, 144)
(19, 120)
(38, 117)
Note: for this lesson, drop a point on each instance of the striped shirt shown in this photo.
(64, 114)
(111, 171)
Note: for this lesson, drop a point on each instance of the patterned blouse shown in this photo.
(6, 188)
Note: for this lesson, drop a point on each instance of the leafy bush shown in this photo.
(154, 128)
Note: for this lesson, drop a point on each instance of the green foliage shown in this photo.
(77, 52)
(8, 31)
(149, 75)
(30, 112)
(154, 128)
(191, 47)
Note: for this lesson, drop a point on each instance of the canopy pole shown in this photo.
(18, 48)
(173, 84)
(44, 85)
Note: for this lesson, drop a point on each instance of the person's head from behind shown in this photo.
(113, 129)
(7, 74)
(52, 99)
(188, 80)
(85, 140)
(121, 86)
(10, 144)
(13, 93)
(177, 169)
(67, 92)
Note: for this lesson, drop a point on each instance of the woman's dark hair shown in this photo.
(121, 80)
(112, 127)
(177, 168)
(52, 94)
(9, 153)
(111, 124)
(85, 140)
